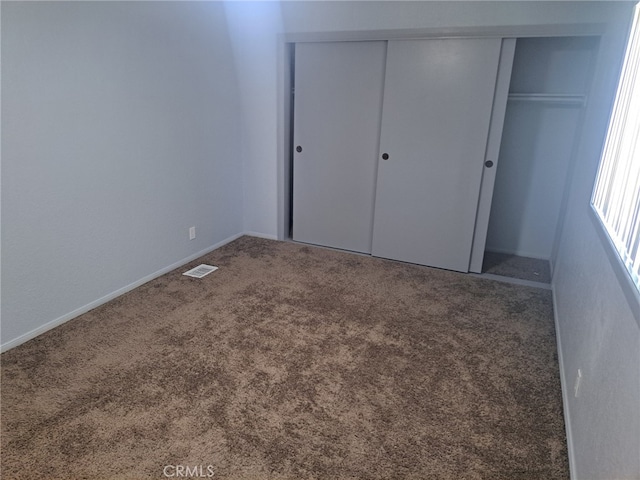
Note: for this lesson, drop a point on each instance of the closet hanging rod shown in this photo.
(558, 98)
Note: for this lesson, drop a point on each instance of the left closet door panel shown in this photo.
(337, 114)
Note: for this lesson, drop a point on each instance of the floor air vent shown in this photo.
(200, 271)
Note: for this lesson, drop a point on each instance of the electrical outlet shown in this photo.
(192, 233)
(576, 385)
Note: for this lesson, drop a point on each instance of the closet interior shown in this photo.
(548, 91)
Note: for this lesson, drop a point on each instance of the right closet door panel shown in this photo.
(435, 120)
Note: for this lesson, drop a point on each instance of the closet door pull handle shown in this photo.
(488, 164)
(298, 149)
(385, 156)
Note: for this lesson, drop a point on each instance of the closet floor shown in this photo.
(524, 268)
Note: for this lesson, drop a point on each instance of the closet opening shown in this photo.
(541, 89)
(290, 108)
(548, 91)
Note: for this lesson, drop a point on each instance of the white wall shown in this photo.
(120, 130)
(535, 153)
(252, 28)
(597, 327)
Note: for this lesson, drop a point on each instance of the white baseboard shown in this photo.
(262, 235)
(96, 303)
(518, 253)
(566, 391)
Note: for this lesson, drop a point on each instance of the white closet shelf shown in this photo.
(557, 98)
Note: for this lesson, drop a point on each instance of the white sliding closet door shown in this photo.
(435, 122)
(338, 103)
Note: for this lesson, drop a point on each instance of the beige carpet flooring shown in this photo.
(293, 362)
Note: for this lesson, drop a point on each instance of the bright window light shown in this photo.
(616, 196)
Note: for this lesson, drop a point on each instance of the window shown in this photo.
(616, 196)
